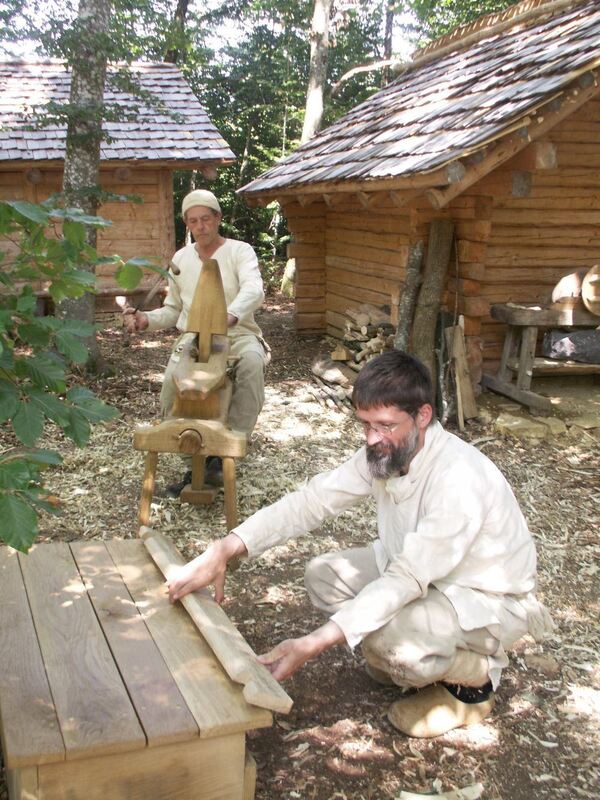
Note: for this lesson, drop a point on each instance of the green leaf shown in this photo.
(7, 360)
(15, 475)
(29, 211)
(9, 399)
(28, 423)
(50, 405)
(36, 499)
(44, 369)
(19, 522)
(76, 327)
(78, 429)
(34, 334)
(129, 275)
(41, 458)
(71, 347)
(74, 232)
(93, 409)
(27, 302)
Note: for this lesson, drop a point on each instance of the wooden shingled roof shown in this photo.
(467, 102)
(190, 140)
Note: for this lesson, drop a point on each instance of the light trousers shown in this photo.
(423, 643)
(248, 393)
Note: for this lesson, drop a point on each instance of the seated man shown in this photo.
(448, 584)
(243, 287)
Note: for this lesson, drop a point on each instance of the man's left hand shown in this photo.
(288, 656)
(231, 320)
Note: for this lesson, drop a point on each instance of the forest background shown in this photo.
(249, 63)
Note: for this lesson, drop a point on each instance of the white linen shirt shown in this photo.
(452, 522)
(242, 285)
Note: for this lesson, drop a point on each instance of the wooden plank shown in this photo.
(28, 721)
(359, 295)
(377, 239)
(249, 777)
(543, 317)
(230, 647)
(158, 702)
(310, 323)
(216, 703)
(397, 225)
(546, 366)
(456, 350)
(523, 396)
(22, 784)
(93, 708)
(396, 258)
(210, 769)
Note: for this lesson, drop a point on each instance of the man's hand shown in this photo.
(207, 569)
(134, 321)
(232, 320)
(288, 656)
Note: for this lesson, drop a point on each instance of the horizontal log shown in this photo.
(555, 202)
(471, 251)
(358, 294)
(336, 319)
(386, 273)
(294, 210)
(471, 306)
(389, 258)
(360, 280)
(311, 250)
(472, 271)
(526, 217)
(309, 322)
(464, 286)
(541, 154)
(569, 177)
(312, 236)
(507, 276)
(310, 290)
(130, 212)
(357, 222)
(310, 305)
(475, 230)
(379, 240)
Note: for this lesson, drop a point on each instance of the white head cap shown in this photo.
(200, 197)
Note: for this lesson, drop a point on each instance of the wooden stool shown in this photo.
(107, 690)
(198, 438)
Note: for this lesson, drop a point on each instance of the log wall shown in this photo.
(144, 229)
(553, 229)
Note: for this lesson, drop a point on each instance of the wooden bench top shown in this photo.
(95, 660)
(538, 317)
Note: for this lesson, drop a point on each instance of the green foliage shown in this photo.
(36, 351)
(438, 17)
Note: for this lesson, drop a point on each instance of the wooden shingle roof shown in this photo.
(449, 107)
(151, 136)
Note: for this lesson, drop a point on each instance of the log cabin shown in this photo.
(138, 156)
(495, 126)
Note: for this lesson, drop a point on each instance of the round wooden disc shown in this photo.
(590, 290)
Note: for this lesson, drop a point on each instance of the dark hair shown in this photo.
(394, 378)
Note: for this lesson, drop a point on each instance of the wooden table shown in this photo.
(518, 362)
(109, 692)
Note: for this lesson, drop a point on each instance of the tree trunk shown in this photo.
(84, 136)
(406, 305)
(387, 40)
(317, 75)
(173, 56)
(441, 233)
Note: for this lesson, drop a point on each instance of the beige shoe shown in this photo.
(434, 711)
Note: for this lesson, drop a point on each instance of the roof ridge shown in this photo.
(529, 11)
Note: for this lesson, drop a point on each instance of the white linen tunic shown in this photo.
(242, 284)
(452, 522)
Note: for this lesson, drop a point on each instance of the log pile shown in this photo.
(368, 331)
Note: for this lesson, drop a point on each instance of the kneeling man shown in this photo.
(445, 589)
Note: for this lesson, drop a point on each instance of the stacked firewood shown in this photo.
(368, 331)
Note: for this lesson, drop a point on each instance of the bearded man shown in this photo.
(446, 587)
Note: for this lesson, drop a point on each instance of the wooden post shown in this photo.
(441, 233)
(409, 294)
(148, 487)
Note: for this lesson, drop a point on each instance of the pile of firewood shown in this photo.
(368, 331)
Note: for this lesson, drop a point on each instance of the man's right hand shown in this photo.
(134, 321)
(207, 569)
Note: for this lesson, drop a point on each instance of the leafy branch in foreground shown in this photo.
(45, 249)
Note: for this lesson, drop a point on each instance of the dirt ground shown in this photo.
(542, 740)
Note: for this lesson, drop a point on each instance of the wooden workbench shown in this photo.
(518, 363)
(107, 691)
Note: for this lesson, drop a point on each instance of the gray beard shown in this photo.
(392, 460)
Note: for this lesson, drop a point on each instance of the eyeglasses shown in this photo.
(379, 428)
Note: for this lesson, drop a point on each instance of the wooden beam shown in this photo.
(510, 146)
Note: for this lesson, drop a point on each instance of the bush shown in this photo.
(49, 248)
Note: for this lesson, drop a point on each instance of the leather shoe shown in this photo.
(213, 472)
(175, 489)
(434, 711)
